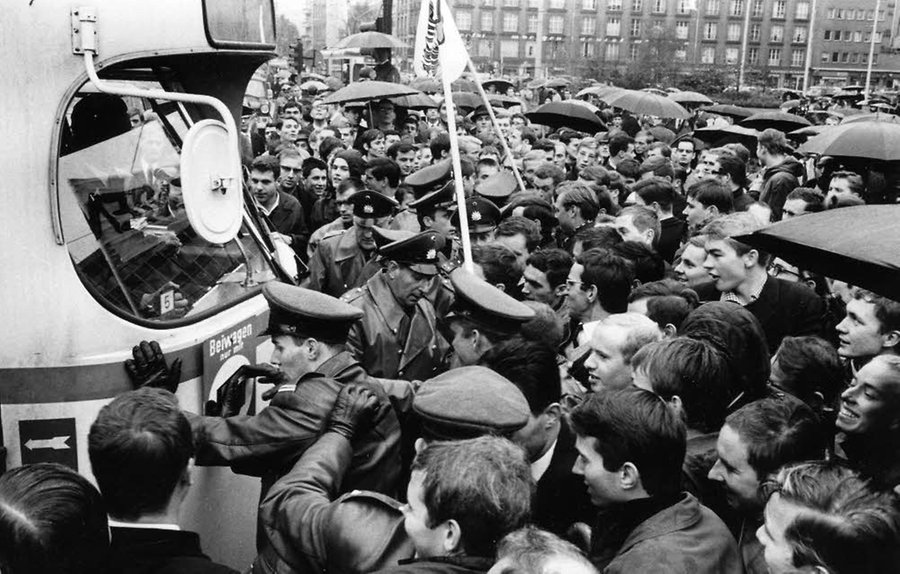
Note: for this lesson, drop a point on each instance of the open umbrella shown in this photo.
(319, 86)
(728, 134)
(873, 117)
(427, 85)
(498, 84)
(371, 90)
(598, 91)
(656, 91)
(807, 132)
(871, 140)
(790, 105)
(415, 102)
(466, 101)
(646, 103)
(689, 97)
(778, 120)
(504, 101)
(464, 85)
(567, 114)
(737, 113)
(839, 243)
(370, 40)
(662, 134)
(556, 83)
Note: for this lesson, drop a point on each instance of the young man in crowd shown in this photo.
(781, 174)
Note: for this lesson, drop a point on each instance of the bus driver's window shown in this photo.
(123, 214)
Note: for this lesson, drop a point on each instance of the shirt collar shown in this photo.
(734, 297)
(268, 212)
(143, 525)
(540, 466)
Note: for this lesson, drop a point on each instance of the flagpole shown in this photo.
(490, 111)
(457, 174)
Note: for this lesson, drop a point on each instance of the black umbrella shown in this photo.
(716, 137)
(782, 121)
(577, 116)
(853, 244)
(735, 112)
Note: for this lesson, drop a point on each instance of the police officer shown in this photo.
(346, 260)
(397, 336)
(483, 217)
(311, 529)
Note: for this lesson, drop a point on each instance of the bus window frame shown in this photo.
(56, 219)
(234, 45)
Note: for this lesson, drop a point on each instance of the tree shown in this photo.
(656, 63)
(358, 13)
(287, 35)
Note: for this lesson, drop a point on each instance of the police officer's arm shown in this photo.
(318, 269)
(356, 341)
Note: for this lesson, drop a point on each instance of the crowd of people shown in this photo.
(615, 382)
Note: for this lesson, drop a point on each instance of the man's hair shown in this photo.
(311, 163)
(663, 148)
(531, 366)
(658, 166)
(847, 526)
(439, 145)
(854, 181)
(289, 153)
(725, 227)
(774, 142)
(529, 550)
(518, 225)
(368, 136)
(734, 167)
(613, 276)
(619, 142)
(499, 265)
(580, 196)
(353, 183)
(629, 168)
(887, 311)
(776, 432)
(640, 332)
(648, 265)
(328, 145)
(139, 448)
(811, 365)
(813, 198)
(484, 484)
(397, 148)
(634, 425)
(554, 263)
(52, 521)
(710, 192)
(383, 167)
(643, 219)
(694, 371)
(545, 327)
(535, 155)
(551, 170)
(355, 161)
(605, 237)
(264, 163)
(290, 104)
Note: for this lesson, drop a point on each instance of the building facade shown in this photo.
(777, 39)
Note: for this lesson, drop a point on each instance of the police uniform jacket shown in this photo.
(374, 339)
(268, 444)
(339, 264)
(309, 529)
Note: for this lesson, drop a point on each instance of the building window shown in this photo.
(509, 48)
(529, 49)
(712, 7)
(835, 57)
(511, 3)
(488, 2)
(613, 27)
(825, 58)
(878, 37)
(778, 8)
(845, 57)
(776, 34)
(614, 5)
(633, 50)
(754, 32)
(802, 11)
(757, 8)
(800, 34)
(635, 27)
(558, 4)
(731, 56)
(681, 29)
(588, 27)
(487, 21)
(556, 24)
(798, 57)
(775, 56)
(708, 55)
(734, 32)
(680, 55)
(535, 3)
(486, 48)
(510, 22)
(836, 35)
(612, 52)
(753, 56)
(737, 8)
(831, 13)
(637, 5)
(857, 36)
(826, 35)
(709, 30)
(685, 6)
(588, 4)
(464, 19)
(587, 49)
(532, 23)
(659, 6)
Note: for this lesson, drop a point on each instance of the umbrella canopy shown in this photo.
(779, 120)
(656, 91)
(311, 76)
(505, 101)
(370, 40)
(876, 117)
(598, 91)
(556, 83)
(808, 131)
(729, 134)
(646, 103)
(500, 85)
(870, 140)
(790, 105)
(839, 243)
(567, 114)
(688, 97)
(427, 85)
(735, 112)
(466, 101)
(313, 84)
(371, 90)
(464, 85)
(415, 102)
(662, 134)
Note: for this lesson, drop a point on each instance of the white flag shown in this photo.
(439, 47)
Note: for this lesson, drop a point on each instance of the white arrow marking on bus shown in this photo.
(56, 443)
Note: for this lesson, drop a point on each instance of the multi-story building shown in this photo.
(327, 22)
(777, 39)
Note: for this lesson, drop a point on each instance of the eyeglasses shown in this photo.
(776, 270)
(570, 283)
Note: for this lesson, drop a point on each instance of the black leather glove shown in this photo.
(355, 410)
(148, 368)
(231, 396)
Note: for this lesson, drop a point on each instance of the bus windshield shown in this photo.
(123, 215)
